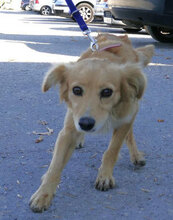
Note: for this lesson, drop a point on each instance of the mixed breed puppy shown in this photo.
(102, 90)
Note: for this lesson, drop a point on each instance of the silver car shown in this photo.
(88, 8)
(42, 6)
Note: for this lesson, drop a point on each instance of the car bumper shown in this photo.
(62, 8)
(35, 7)
(109, 19)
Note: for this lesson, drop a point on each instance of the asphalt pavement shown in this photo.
(29, 45)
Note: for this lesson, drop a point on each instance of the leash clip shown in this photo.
(93, 45)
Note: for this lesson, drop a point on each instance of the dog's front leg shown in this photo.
(105, 180)
(136, 156)
(64, 147)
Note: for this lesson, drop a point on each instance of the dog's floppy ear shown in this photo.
(133, 82)
(54, 76)
(57, 75)
(145, 54)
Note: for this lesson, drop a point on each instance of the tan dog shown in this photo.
(102, 91)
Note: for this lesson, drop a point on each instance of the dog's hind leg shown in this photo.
(64, 147)
(135, 155)
(105, 179)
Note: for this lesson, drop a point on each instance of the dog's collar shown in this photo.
(110, 46)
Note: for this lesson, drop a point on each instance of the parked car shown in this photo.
(156, 16)
(25, 5)
(88, 8)
(42, 6)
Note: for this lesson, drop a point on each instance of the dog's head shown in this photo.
(98, 91)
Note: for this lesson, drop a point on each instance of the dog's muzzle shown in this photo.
(86, 123)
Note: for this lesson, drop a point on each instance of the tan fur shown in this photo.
(118, 69)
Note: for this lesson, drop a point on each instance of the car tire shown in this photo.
(45, 10)
(132, 30)
(86, 11)
(161, 34)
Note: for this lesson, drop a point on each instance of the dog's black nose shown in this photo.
(86, 123)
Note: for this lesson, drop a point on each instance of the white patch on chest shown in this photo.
(114, 123)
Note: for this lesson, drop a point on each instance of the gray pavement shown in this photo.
(29, 44)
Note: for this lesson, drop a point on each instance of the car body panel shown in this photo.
(156, 5)
(144, 12)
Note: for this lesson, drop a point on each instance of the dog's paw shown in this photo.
(138, 159)
(80, 141)
(40, 200)
(104, 183)
(79, 145)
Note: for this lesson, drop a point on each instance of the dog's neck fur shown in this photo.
(118, 51)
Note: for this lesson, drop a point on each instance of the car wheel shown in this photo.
(160, 33)
(45, 10)
(86, 11)
(132, 30)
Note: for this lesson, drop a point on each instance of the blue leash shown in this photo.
(78, 18)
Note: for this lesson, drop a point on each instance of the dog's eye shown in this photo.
(105, 93)
(77, 91)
